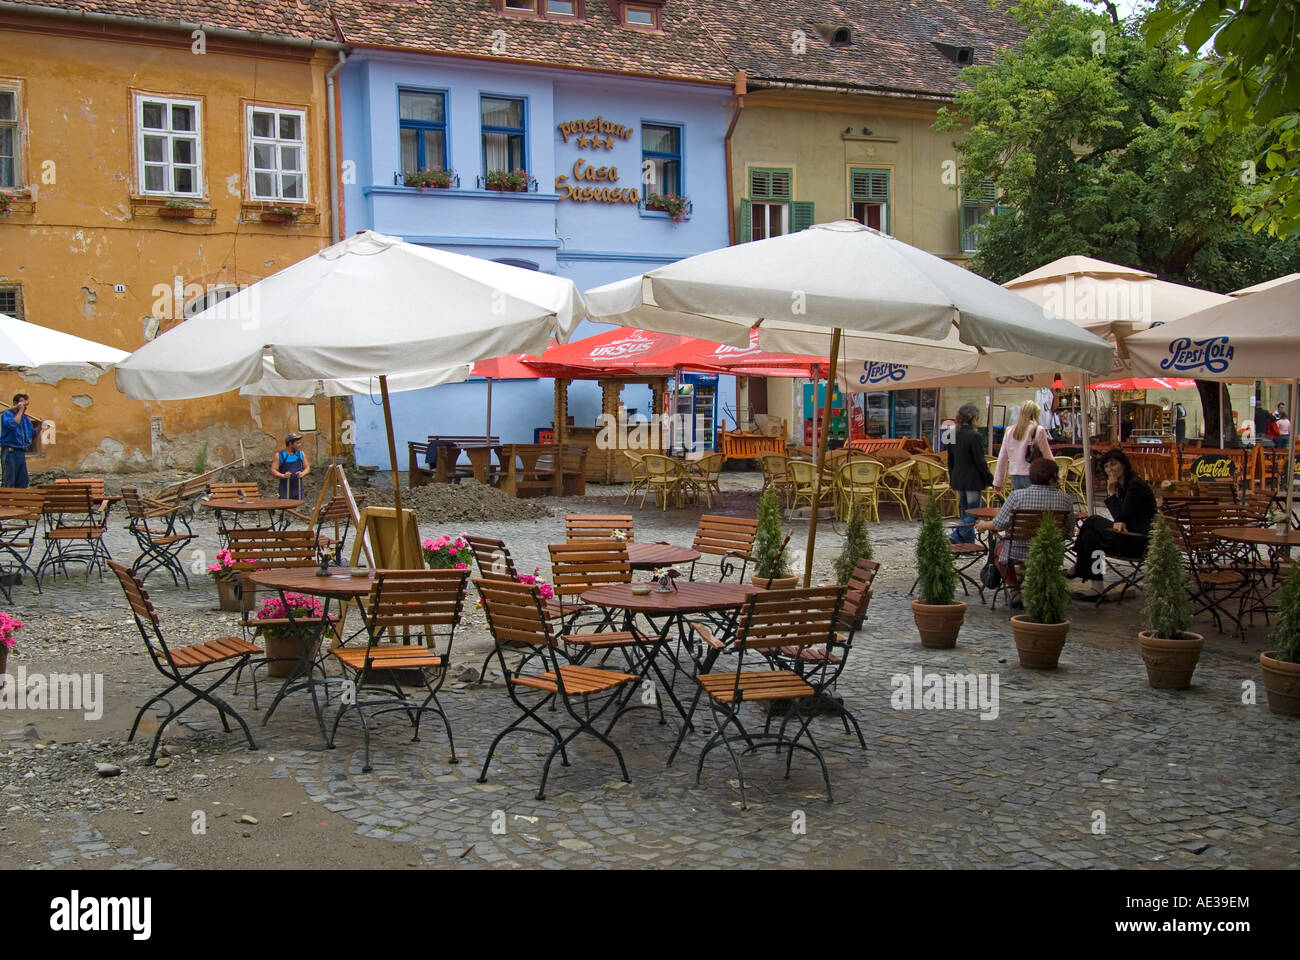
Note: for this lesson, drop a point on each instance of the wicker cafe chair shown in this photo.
(161, 532)
(408, 616)
(636, 475)
(771, 620)
(664, 478)
(776, 475)
(857, 483)
(184, 666)
(708, 475)
(727, 538)
(514, 615)
(803, 479)
(894, 485)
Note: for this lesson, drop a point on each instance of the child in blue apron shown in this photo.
(290, 466)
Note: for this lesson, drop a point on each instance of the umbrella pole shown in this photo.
(1290, 455)
(988, 421)
(487, 431)
(1086, 428)
(397, 483)
(821, 459)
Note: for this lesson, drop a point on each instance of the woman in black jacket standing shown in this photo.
(1132, 506)
(968, 471)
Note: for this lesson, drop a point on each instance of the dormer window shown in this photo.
(542, 9)
(638, 14)
(962, 56)
(842, 37)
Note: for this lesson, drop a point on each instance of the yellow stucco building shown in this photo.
(140, 157)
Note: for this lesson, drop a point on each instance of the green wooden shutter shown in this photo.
(801, 215)
(746, 222)
(771, 183)
(981, 191)
(870, 185)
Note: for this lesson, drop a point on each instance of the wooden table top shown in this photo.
(304, 580)
(690, 597)
(251, 503)
(1261, 536)
(648, 556)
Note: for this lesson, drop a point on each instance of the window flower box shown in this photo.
(509, 181)
(677, 208)
(5, 200)
(176, 210)
(435, 178)
(282, 214)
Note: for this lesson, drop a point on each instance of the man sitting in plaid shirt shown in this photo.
(1043, 493)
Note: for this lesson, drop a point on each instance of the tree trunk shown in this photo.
(1211, 407)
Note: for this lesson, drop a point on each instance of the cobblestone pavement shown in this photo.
(1082, 767)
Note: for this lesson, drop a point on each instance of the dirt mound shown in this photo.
(441, 502)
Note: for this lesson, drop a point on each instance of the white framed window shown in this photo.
(11, 174)
(769, 220)
(169, 146)
(277, 154)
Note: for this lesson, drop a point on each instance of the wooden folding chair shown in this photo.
(154, 525)
(18, 534)
(727, 538)
(598, 526)
(771, 620)
(72, 516)
(254, 549)
(408, 616)
(1024, 525)
(1214, 579)
(583, 565)
(514, 614)
(183, 666)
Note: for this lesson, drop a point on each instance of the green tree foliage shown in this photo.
(1045, 591)
(1249, 82)
(1285, 634)
(1165, 609)
(769, 559)
(1082, 128)
(936, 574)
(857, 545)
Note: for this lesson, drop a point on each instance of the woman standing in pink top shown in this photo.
(1022, 444)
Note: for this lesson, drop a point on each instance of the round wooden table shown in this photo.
(1259, 536)
(650, 556)
(250, 505)
(1277, 544)
(342, 587)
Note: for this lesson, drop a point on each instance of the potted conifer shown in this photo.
(1040, 631)
(1282, 664)
(938, 614)
(771, 563)
(857, 545)
(1169, 650)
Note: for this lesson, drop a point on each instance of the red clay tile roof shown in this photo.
(300, 19)
(891, 49)
(465, 27)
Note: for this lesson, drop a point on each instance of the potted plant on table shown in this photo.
(284, 642)
(508, 181)
(1169, 650)
(7, 627)
(1040, 631)
(857, 545)
(176, 210)
(437, 177)
(1281, 665)
(938, 614)
(445, 553)
(771, 565)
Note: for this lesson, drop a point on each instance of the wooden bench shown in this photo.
(529, 469)
(445, 469)
(742, 445)
(1155, 467)
(871, 445)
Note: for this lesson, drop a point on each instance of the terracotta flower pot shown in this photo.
(228, 597)
(268, 217)
(1282, 683)
(938, 624)
(1170, 663)
(283, 650)
(776, 583)
(1039, 644)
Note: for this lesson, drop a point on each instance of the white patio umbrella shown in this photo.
(839, 279)
(274, 385)
(1253, 337)
(371, 305)
(27, 347)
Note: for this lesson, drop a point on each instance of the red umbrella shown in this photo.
(1145, 383)
(619, 351)
(747, 361)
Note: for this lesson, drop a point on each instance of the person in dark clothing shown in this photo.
(1180, 423)
(968, 470)
(1132, 506)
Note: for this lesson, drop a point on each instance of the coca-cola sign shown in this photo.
(1213, 466)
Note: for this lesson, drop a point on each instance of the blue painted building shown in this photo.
(585, 137)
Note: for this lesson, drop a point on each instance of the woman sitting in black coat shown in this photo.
(1132, 504)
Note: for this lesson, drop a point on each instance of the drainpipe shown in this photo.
(740, 91)
(335, 227)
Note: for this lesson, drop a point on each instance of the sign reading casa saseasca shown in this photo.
(594, 183)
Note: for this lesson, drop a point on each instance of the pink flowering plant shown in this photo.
(7, 627)
(445, 553)
(301, 606)
(224, 568)
(532, 579)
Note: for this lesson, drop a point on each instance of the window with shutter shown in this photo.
(869, 197)
(979, 200)
(771, 183)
